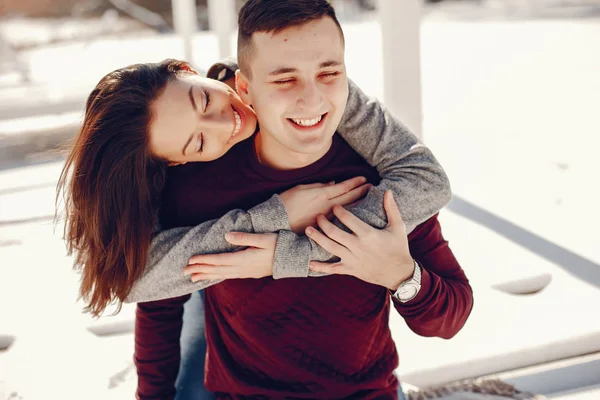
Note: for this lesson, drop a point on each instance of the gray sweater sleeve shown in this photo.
(407, 168)
(171, 249)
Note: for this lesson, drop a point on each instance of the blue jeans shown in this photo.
(190, 380)
(401, 395)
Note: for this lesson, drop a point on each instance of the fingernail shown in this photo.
(229, 236)
(310, 230)
(363, 179)
(186, 273)
(332, 182)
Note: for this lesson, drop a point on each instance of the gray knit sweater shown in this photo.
(408, 168)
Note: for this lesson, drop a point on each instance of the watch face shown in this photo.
(407, 291)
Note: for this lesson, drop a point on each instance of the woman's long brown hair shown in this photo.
(111, 183)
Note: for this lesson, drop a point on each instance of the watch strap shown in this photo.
(415, 281)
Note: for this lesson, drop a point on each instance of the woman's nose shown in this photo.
(218, 120)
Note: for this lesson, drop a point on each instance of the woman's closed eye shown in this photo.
(207, 97)
(200, 144)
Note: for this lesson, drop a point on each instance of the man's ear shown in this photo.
(242, 87)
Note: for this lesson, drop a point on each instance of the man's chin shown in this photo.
(313, 144)
(307, 136)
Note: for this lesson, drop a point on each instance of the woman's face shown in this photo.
(198, 119)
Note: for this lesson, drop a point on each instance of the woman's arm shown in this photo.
(406, 167)
(171, 249)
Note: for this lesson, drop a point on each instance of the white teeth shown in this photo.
(308, 122)
(238, 123)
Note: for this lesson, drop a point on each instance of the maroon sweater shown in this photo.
(304, 338)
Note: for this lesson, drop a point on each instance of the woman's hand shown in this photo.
(304, 202)
(254, 262)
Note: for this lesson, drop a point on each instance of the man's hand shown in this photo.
(254, 262)
(304, 202)
(380, 257)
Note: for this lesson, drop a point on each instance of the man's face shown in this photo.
(298, 86)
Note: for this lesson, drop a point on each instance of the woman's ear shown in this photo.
(242, 87)
(187, 67)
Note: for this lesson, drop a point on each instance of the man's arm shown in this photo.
(445, 300)
(157, 353)
(385, 257)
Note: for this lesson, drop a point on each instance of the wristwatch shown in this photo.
(409, 289)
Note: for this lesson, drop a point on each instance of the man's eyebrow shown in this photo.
(191, 94)
(283, 70)
(289, 70)
(330, 63)
(187, 144)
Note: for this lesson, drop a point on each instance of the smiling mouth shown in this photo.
(309, 122)
(238, 123)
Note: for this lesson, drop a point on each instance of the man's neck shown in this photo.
(272, 154)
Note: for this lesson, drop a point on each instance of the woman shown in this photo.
(132, 132)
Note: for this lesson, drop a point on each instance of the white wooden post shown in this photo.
(400, 22)
(185, 23)
(222, 20)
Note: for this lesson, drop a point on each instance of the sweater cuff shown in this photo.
(269, 216)
(291, 256)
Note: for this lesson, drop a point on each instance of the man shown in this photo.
(322, 338)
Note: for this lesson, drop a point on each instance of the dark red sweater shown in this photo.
(303, 338)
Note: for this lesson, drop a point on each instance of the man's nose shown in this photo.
(310, 97)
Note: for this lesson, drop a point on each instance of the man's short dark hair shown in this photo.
(273, 16)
